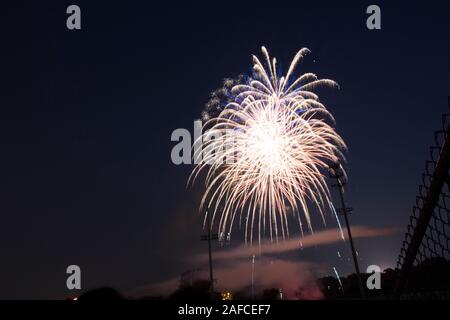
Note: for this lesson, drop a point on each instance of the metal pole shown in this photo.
(349, 232)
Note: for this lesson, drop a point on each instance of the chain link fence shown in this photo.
(424, 260)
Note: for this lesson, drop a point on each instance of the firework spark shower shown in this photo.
(281, 140)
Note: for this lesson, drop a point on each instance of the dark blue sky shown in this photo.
(86, 118)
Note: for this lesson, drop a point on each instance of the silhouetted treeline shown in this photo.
(429, 279)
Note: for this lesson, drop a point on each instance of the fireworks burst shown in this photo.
(265, 151)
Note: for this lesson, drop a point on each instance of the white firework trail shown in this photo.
(337, 219)
(339, 279)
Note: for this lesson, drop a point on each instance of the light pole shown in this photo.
(336, 172)
(209, 237)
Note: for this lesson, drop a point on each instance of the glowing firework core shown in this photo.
(268, 143)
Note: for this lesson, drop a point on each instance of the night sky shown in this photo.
(86, 118)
